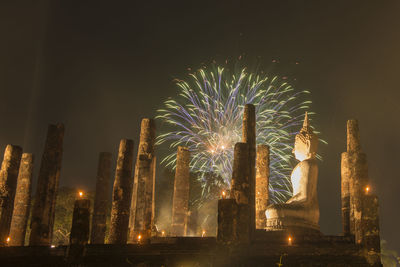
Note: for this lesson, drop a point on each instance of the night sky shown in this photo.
(101, 66)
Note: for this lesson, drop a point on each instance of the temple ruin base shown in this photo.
(268, 249)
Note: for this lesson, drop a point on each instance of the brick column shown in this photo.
(142, 203)
(180, 202)
(262, 182)
(100, 209)
(241, 192)
(249, 137)
(122, 191)
(8, 185)
(42, 220)
(79, 232)
(22, 202)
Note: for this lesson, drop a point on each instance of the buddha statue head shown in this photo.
(306, 142)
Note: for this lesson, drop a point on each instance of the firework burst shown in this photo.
(207, 118)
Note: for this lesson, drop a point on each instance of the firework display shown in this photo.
(206, 117)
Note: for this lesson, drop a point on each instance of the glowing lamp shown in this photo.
(222, 147)
(162, 233)
(367, 189)
(8, 239)
(52, 246)
(203, 234)
(290, 240)
(80, 194)
(139, 238)
(223, 194)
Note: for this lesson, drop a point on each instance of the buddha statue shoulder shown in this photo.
(302, 209)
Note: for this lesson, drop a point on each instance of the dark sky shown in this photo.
(100, 66)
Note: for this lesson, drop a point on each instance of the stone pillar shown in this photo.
(100, 209)
(353, 136)
(345, 193)
(359, 205)
(142, 207)
(42, 220)
(79, 231)
(240, 191)
(8, 184)
(249, 137)
(22, 202)
(180, 201)
(262, 182)
(358, 183)
(121, 198)
(354, 181)
(370, 228)
(240, 177)
(193, 223)
(227, 220)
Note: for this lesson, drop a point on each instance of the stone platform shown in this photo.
(268, 249)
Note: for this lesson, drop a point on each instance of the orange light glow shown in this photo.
(80, 194)
(8, 239)
(139, 237)
(367, 189)
(223, 194)
(203, 234)
(163, 233)
(290, 240)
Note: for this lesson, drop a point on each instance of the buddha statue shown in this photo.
(301, 210)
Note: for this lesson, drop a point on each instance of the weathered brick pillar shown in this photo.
(42, 220)
(142, 203)
(180, 201)
(345, 193)
(262, 182)
(249, 137)
(100, 209)
(241, 192)
(22, 201)
(227, 220)
(370, 228)
(193, 222)
(354, 181)
(121, 198)
(359, 205)
(240, 177)
(79, 231)
(8, 184)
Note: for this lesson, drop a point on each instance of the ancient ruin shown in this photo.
(100, 210)
(42, 220)
(8, 185)
(142, 203)
(289, 230)
(121, 197)
(180, 202)
(22, 201)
